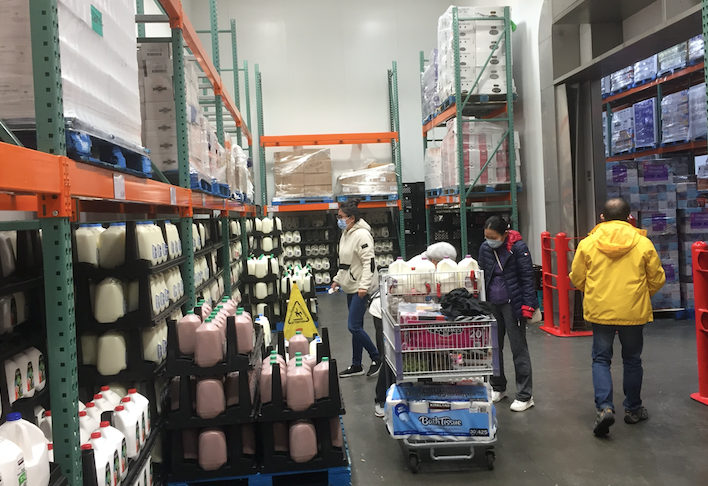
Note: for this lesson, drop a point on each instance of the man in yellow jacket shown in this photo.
(618, 269)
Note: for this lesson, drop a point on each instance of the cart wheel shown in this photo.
(490, 460)
(413, 463)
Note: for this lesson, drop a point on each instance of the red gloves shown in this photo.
(527, 311)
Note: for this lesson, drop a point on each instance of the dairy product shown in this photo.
(87, 423)
(423, 276)
(301, 393)
(267, 243)
(446, 276)
(298, 343)
(266, 381)
(111, 356)
(152, 344)
(186, 332)
(93, 412)
(102, 462)
(27, 374)
(147, 249)
(320, 379)
(211, 401)
(50, 452)
(13, 378)
(45, 424)
(280, 437)
(174, 244)
(138, 412)
(111, 246)
(144, 404)
(113, 393)
(102, 404)
(231, 388)
(86, 245)
(110, 301)
(107, 449)
(202, 234)
(118, 441)
(22, 312)
(244, 332)
(7, 257)
(127, 423)
(89, 348)
(209, 345)
(248, 439)
(261, 267)
(265, 325)
(12, 464)
(303, 441)
(267, 225)
(313, 345)
(8, 314)
(335, 430)
(212, 449)
(133, 297)
(31, 441)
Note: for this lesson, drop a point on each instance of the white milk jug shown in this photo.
(13, 377)
(89, 348)
(466, 265)
(107, 449)
(7, 257)
(267, 243)
(33, 444)
(113, 394)
(86, 245)
(140, 416)
(111, 246)
(45, 424)
(144, 405)
(110, 300)
(267, 225)
(127, 424)
(111, 356)
(117, 439)
(26, 367)
(40, 369)
(423, 277)
(12, 464)
(146, 245)
(152, 344)
(446, 275)
(21, 306)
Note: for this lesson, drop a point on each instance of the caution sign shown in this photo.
(298, 317)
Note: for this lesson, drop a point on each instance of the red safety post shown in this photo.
(700, 294)
(563, 286)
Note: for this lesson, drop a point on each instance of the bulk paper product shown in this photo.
(604, 133)
(433, 168)
(659, 222)
(696, 49)
(646, 69)
(622, 79)
(379, 180)
(98, 65)
(645, 124)
(303, 173)
(606, 85)
(661, 171)
(675, 117)
(429, 86)
(622, 131)
(697, 126)
(673, 58)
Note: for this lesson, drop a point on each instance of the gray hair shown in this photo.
(438, 251)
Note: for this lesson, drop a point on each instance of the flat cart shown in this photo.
(441, 401)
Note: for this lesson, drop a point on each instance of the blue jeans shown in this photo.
(632, 339)
(355, 323)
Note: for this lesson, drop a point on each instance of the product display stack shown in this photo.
(311, 240)
(303, 174)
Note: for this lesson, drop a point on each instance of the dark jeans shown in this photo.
(355, 323)
(386, 379)
(632, 339)
(378, 325)
(507, 324)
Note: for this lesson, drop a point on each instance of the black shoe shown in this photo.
(374, 368)
(635, 416)
(352, 371)
(605, 419)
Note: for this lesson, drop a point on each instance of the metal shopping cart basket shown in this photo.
(442, 400)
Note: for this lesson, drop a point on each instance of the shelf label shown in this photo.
(333, 205)
(392, 204)
(273, 209)
(203, 200)
(119, 187)
(173, 196)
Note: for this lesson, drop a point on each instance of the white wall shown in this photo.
(324, 67)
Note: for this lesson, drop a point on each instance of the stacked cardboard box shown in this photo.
(303, 173)
(372, 180)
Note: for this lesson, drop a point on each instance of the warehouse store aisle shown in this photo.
(551, 444)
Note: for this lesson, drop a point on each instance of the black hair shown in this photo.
(616, 209)
(498, 224)
(351, 208)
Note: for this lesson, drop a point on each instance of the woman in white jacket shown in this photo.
(358, 278)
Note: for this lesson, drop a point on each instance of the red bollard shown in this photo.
(700, 291)
(547, 280)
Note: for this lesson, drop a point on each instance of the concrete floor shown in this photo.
(552, 443)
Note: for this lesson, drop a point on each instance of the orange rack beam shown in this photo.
(451, 113)
(329, 139)
(291, 208)
(25, 171)
(476, 197)
(179, 20)
(697, 145)
(661, 80)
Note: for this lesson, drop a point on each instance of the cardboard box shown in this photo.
(158, 88)
(159, 110)
(318, 179)
(156, 68)
(317, 190)
(155, 51)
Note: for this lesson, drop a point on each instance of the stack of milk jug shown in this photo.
(260, 268)
(302, 276)
(14, 310)
(303, 381)
(269, 227)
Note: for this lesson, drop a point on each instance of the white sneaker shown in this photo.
(519, 406)
(498, 395)
(378, 410)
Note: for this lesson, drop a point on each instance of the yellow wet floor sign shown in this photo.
(298, 317)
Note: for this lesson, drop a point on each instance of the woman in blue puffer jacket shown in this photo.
(508, 275)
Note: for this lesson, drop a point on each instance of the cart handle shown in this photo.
(451, 458)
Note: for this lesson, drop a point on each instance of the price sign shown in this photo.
(273, 209)
(119, 187)
(173, 196)
(392, 204)
(334, 205)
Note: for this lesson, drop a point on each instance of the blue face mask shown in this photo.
(494, 244)
(342, 223)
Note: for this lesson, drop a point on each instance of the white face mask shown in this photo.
(494, 244)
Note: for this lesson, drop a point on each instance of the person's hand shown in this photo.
(362, 293)
(334, 285)
(527, 312)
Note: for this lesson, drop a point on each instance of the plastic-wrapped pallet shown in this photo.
(675, 117)
(697, 126)
(696, 49)
(303, 173)
(646, 69)
(604, 133)
(372, 180)
(657, 197)
(606, 85)
(621, 174)
(622, 130)
(645, 124)
(673, 58)
(429, 86)
(622, 79)
(659, 222)
(433, 168)
(98, 65)
(652, 171)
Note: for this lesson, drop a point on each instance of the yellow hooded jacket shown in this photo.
(618, 269)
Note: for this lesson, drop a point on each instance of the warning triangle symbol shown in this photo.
(298, 317)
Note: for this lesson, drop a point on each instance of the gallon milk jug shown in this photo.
(303, 441)
(446, 275)
(186, 332)
(144, 404)
(465, 267)
(102, 404)
(196, 243)
(117, 439)
(335, 429)
(174, 246)
(152, 344)
(301, 394)
(127, 424)
(298, 343)
(260, 291)
(102, 463)
(261, 267)
(12, 464)
(267, 225)
(266, 382)
(111, 358)
(27, 370)
(8, 313)
(211, 401)
(33, 444)
(212, 449)
(111, 246)
(45, 425)
(265, 325)
(244, 332)
(110, 301)
(93, 412)
(107, 449)
(424, 279)
(133, 295)
(147, 250)
(137, 412)
(113, 394)
(400, 270)
(89, 348)
(202, 234)
(313, 345)
(86, 245)
(209, 345)
(7, 257)
(320, 379)
(13, 377)
(22, 307)
(267, 243)
(278, 224)
(87, 423)
(50, 452)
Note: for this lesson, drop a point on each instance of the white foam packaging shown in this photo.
(99, 67)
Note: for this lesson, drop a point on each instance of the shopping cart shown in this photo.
(442, 400)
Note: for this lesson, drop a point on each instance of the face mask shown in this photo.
(494, 243)
(342, 223)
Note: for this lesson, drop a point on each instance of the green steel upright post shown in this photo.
(56, 250)
(183, 161)
(216, 59)
(510, 118)
(237, 87)
(261, 150)
(140, 10)
(459, 126)
(226, 252)
(248, 105)
(397, 159)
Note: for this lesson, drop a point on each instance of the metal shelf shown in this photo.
(328, 139)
